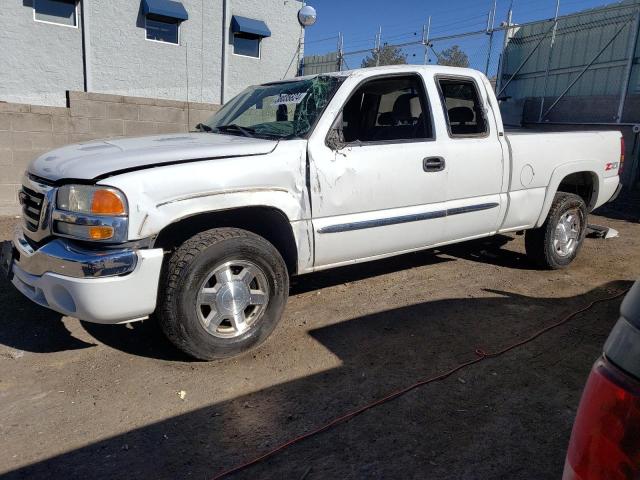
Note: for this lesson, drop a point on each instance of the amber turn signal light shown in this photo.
(106, 202)
(100, 233)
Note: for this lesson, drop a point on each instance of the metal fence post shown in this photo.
(546, 75)
(340, 51)
(377, 49)
(425, 40)
(505, 45)
(626, 79)
(490, 30)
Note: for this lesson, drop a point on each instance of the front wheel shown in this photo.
(222, 292)
(557, 242)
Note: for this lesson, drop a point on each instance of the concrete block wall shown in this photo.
(28, 131)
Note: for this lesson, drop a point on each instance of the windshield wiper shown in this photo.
(203, 127)
(246, 131)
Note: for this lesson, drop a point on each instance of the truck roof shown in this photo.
(373, 71)
(406, 68)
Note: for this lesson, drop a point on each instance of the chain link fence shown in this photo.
(575, 71)
(581, 67)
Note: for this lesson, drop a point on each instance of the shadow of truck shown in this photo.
(504, 418)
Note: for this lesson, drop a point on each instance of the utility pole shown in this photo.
(340, 50)
(378, 42)
(546, 75)
(425, 40)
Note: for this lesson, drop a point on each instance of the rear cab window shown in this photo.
(463, 106)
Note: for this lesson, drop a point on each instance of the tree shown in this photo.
(389, 55)
(453, 57)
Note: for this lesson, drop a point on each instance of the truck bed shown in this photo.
(538, 160)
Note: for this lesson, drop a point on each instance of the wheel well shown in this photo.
(270, 223)
(583, 184)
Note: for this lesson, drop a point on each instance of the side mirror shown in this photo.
(335, 137)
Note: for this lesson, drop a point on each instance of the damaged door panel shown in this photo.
(375, 194)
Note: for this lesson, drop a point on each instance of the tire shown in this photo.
(206, 284)
(547, 246)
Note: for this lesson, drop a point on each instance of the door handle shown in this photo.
(433, 164)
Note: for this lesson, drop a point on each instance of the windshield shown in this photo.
(277, 110)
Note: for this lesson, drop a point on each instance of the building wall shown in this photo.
(27, 131)
(45, 60)
(279, 53)
(38, 61)
(124, 62)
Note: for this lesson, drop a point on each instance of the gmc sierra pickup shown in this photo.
(206, 228)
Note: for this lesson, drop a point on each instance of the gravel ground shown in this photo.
(87, 401)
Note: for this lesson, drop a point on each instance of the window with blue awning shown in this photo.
(164, 9)
(249, 26)
(162, 20)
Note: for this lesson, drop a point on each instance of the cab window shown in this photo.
(387, 109)
(465, 112)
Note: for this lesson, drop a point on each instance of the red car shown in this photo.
(605, 442)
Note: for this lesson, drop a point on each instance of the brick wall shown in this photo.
(27, 131)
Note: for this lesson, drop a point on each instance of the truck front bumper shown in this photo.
(107, 286)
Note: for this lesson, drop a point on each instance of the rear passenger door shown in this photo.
(378, 194)
(474, 158)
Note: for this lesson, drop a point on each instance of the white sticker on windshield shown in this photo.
(284, 98)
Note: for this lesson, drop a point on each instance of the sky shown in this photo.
(403, 20)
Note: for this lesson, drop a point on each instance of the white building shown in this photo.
(196, 50)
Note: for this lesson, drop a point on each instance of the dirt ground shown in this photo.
(82, 401)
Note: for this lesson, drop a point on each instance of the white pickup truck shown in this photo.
(292, 177)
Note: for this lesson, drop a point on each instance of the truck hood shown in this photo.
(91, 160)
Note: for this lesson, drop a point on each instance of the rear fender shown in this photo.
(559, 174)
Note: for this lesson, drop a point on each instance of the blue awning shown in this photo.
(165, 8)
(250, 26)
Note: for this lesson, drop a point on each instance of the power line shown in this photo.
(320, 40)
(475, 40)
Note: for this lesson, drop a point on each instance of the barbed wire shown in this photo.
(501, 51)
(358, 42)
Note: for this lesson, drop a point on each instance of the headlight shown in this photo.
(91, 200)
(89, 212)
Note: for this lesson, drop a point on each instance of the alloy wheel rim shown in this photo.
(232, 299)
(567, 233)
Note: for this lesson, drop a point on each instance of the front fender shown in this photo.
(172, 210)
(163, 195)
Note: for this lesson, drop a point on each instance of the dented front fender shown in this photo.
(163, 195)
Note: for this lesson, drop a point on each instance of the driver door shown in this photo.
(383, 191)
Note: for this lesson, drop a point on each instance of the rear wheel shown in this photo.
(557, 242)
(223, 292)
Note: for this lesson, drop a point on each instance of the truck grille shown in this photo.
(31, 207)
